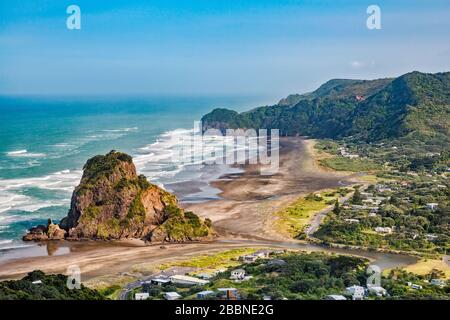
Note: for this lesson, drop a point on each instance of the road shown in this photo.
(318, 218)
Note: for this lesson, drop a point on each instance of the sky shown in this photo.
(214, 47)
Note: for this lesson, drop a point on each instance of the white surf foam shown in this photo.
(25, 154)
(12, 197)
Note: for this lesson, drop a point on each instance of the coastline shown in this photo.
(242, 215)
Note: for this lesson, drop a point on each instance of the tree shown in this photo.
(357, 197)
(337, 207)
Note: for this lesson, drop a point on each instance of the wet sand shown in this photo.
(249, 200)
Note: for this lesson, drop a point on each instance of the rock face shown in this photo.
(113, 202)
(50, 232)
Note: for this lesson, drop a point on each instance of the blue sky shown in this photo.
(209, 47)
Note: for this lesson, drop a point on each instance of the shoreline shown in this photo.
(242, 215)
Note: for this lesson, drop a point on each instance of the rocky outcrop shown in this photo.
(50, 232)
(113, 202)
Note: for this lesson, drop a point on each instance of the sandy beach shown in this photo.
(249, 200)
(244, 212)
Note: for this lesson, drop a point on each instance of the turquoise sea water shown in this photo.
(45, 141)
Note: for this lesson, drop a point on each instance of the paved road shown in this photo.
(318, 218)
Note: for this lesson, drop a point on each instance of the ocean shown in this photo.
(45, 141)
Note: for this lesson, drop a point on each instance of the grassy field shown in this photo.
(339, 163)
(425, 266)
(295, 217)
(110, 285)
(212, 262)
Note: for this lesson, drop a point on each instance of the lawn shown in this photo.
(212, 262)
(295, 217)
(110, 285)
(425, 266)
(339, 163)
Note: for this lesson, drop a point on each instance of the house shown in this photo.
(160, 281)
(204, 294)
(187, 280)
(415, 286)
(229, 293)
(372, 214)
(438, 282)
(335, 297)
(345, 154)
(267, 298)
(379, 291)
(171, 295)
(352, 220)
(248, 258)
(205, 276)
(382, 188)
(276, 262)
(358, 207)
(37, 282)
(237, 274)
(357, 292)
(383, 230)
(141, 296)
(432, 206)
(431, 237)
(263, 254)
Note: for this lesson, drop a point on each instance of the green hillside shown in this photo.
(414, 106)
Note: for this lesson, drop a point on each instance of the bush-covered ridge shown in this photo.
(415, 103)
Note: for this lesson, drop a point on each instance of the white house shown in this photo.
(352, 220)
(383, 230)
(263, 254)
(415, 286)
(238, 274)
(171, 296)
(187, 280)
(432, 206)
(141, 296)
(205, 275)
(357, 292)
(438, 282)
(160, 281)
(249, 258)
(37, 282)
(335, 297)
(379, 291)
(431, 237)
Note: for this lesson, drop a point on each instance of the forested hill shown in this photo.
(413, 106)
